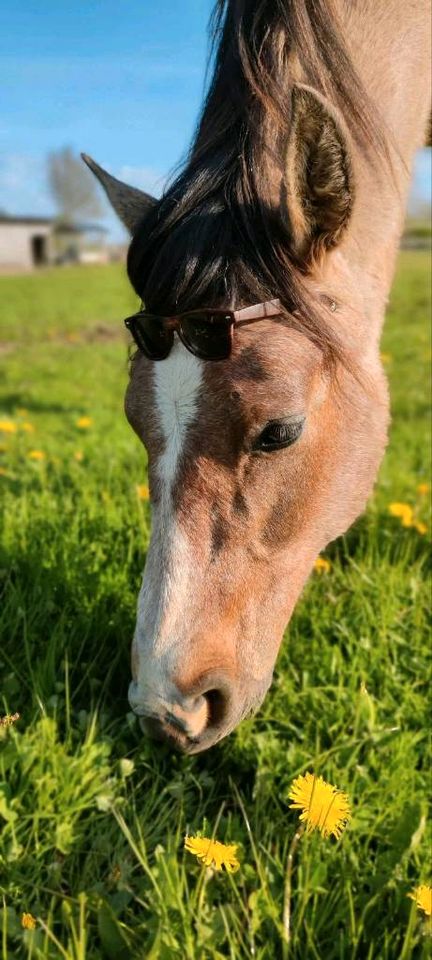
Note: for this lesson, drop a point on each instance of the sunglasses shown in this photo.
(208, 334)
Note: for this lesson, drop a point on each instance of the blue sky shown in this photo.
(121, 81)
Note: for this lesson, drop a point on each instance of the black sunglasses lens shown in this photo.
(150, 335)
(209, 336)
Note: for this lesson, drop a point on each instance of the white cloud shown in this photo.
(23, 187)
(144, 178)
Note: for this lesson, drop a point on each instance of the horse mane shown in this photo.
(217, 236)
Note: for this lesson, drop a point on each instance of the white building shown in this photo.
(25, 242)
(29, 242)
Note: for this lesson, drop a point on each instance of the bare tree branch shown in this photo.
(73, 189)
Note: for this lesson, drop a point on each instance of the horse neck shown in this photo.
(390, 48)
(388, 43)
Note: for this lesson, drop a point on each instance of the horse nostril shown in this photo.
(217, 706)
(201, 708)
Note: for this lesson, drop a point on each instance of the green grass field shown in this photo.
(92, 815)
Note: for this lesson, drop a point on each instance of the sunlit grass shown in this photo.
(93, 816)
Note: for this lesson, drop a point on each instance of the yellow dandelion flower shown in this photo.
(84, 423)
(3, 472)
(22, 413)
(36, 455)
(423, 898)
(423, 489)
(28, 427)
(420, 527)
(323, 806)
(28, 921)
(322, 565)
(213, 853)
(404, 513)
(142, 490)
(78, 456)
(6, 426)
(407, 521)
(9, 719)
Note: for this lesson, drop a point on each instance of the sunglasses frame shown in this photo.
(236, 318)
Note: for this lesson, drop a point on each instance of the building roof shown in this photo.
(31, 221)
(58, 226)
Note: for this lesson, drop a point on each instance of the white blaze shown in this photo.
(177, 383)
(169, 569)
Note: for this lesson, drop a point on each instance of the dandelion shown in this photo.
(323, 806)
(322, 565)
(423, 898)
(213, 853)
(3, 472)
(28, 921)
(78, 456)
(36, 455)
(27, 427)
(9, 719)
(423, 489)
(142, 490)
(6, 426)
(404, 513)
(22, 413)
(84, 423)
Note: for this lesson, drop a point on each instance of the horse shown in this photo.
(257, 385)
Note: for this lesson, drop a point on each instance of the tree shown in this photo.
(72, 186)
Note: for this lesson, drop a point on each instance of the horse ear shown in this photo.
(319, 181)
(130, 204)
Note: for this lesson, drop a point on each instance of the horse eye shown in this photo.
(279, 434)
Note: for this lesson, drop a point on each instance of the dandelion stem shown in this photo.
(54, 940)
(206, 874)
(262, 876)
(287, 890)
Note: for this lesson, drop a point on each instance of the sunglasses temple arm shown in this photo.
(261, 311)
(269, 316)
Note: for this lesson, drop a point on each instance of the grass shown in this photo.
(93, 816)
